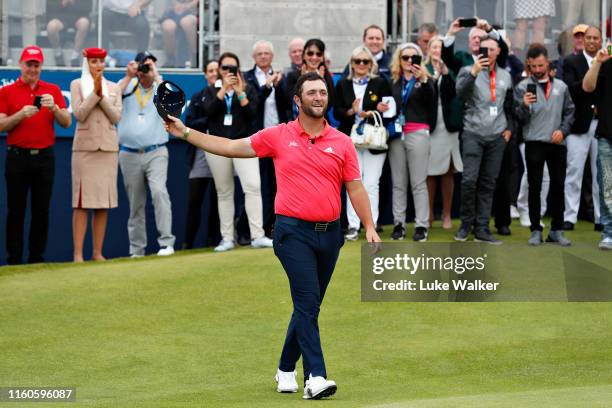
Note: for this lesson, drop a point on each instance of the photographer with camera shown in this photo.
(486, 89)
(29, 108)
(231, 107)
(143, 156)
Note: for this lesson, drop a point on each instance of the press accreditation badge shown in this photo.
(227, 120)
(398, 127)
(493, 110)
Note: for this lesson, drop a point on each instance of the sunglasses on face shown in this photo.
(407, 58)
(359, 61)
(229, 67)
(312, 53)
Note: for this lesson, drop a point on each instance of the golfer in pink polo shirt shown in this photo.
(312, 161)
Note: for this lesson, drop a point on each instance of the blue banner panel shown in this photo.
(191, 83)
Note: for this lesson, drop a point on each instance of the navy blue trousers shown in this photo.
(309, 258)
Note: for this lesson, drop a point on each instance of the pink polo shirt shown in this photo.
(309, 176)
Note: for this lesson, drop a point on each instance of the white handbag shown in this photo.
(369, 136)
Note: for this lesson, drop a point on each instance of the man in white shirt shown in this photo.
(271, 111)
(581, 142)
(295, 49)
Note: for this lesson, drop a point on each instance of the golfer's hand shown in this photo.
(372, 235)
(175, 127)
(374, 241)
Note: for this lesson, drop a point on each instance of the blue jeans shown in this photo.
(604, 178)
(309, 258)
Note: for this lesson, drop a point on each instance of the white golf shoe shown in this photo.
(224, 246)
(167, 251)
(319, 387)
(286, 381)
(262, 242)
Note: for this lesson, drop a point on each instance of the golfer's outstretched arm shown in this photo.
(221, 146)
(361, 203)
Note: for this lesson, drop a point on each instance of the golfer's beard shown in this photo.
(308, 111)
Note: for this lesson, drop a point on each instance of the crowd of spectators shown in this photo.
(474, 112)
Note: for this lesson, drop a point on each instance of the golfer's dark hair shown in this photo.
(537, 49)
(309, 76)
(317, 43)
(229, 55)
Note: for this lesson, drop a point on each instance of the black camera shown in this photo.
(144, 68)
(468, 22)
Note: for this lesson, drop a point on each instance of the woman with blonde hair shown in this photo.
(357, 95)
(96, 104)
(415, 97)
(444, 157)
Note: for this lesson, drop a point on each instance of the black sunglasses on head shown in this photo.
(360, 61)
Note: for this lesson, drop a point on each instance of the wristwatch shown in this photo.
(186, 133)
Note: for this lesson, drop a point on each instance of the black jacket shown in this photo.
(421, 104)
(262, 94)
(377, 88)
(195, 119)
(575, 68)
(344, 96)
(242, 117)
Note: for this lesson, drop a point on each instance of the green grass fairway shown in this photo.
(201, 329)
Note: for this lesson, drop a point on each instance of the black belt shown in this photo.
(28, 152)
(146, 149)
(312, 225)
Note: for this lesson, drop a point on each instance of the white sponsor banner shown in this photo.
(338, 23)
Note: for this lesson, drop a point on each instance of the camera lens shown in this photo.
(144, 68)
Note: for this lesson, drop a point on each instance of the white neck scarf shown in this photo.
(87, 81)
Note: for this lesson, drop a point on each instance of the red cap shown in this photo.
(94, 53)
(32, 53)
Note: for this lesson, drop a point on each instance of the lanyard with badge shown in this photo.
(407, 87)
(493, 83)
(227, 119)
(142, 101)
(548, 89)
